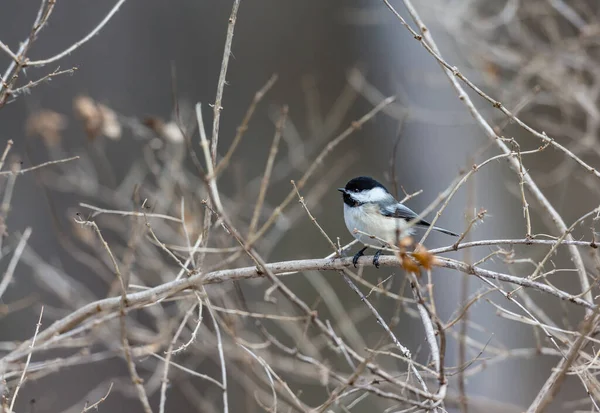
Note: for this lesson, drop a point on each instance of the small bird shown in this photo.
(372, 210)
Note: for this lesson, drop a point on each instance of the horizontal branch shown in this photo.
(523, 282)
(522, 241)
(153, 295)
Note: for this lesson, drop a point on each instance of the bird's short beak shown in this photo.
(342, 190)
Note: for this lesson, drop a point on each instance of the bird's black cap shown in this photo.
(363, 183)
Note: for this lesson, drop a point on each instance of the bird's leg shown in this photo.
(358, 255)
(376, 258)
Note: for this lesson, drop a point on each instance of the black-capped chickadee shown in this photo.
(374, 212)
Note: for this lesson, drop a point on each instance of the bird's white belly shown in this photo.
(370, 222)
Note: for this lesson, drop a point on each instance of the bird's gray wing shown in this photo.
(399, 211)
(403, 212)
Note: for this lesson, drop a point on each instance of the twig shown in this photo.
(242, 313)
(183, 266)
(49, 76)
(244, 125)
(95, 405)
(268, 169)
(217, 108)
(110, 254)
(99, 211)
(22, 379)
(437, 352)
(12, 265)
(479, 217)
(447, 195)
(190, 371)
(8, 194)
(394, 157)
(523, 198)
(314, 220)
(340, 345)
(9, 52)
(42, 165)
(466, 307)
(79, 43)
(464, 295)
(137, 381)
(540, 265)
(268, 371)
(405, 351)
(480, 272)
(16, 65)
(9, 145)
(210, 176)
(522, 241)
(221, 352)
(194, 332)
(135, 378)
(169, 354)
(338, 392)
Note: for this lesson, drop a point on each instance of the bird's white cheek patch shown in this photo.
(374, 195)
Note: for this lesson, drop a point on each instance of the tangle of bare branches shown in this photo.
(190, 285)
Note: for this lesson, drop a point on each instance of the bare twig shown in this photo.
(23, 374)
(169, 354)
(543, 261)
(45, 78)
(135, 378)
(16, 65)
(268, 169)
(221, 352)
(437, 352)
(9, 145)
(210, 176)
(404, 351)
(95, 405)
(9, 52)
(258, 96)
(190, 371)
(12, 265)
(42, 165)
(99, 211)
(268, 371)
(217, 108)
(81, 42)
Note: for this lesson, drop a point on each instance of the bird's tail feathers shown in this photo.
(424, 223)
(445, 231)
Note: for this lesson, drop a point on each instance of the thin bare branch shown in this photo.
(217, 107)
(42, 165)
(24, 373)
(81, 42)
